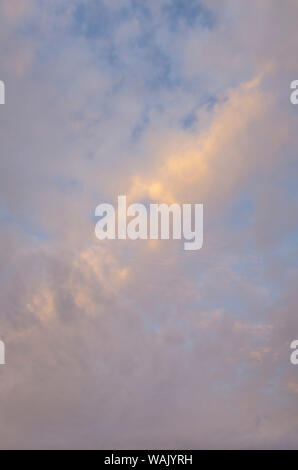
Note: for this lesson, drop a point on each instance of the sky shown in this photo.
(139, 344)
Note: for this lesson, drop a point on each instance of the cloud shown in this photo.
(122, 344)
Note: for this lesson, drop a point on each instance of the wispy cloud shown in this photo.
(122, 344)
